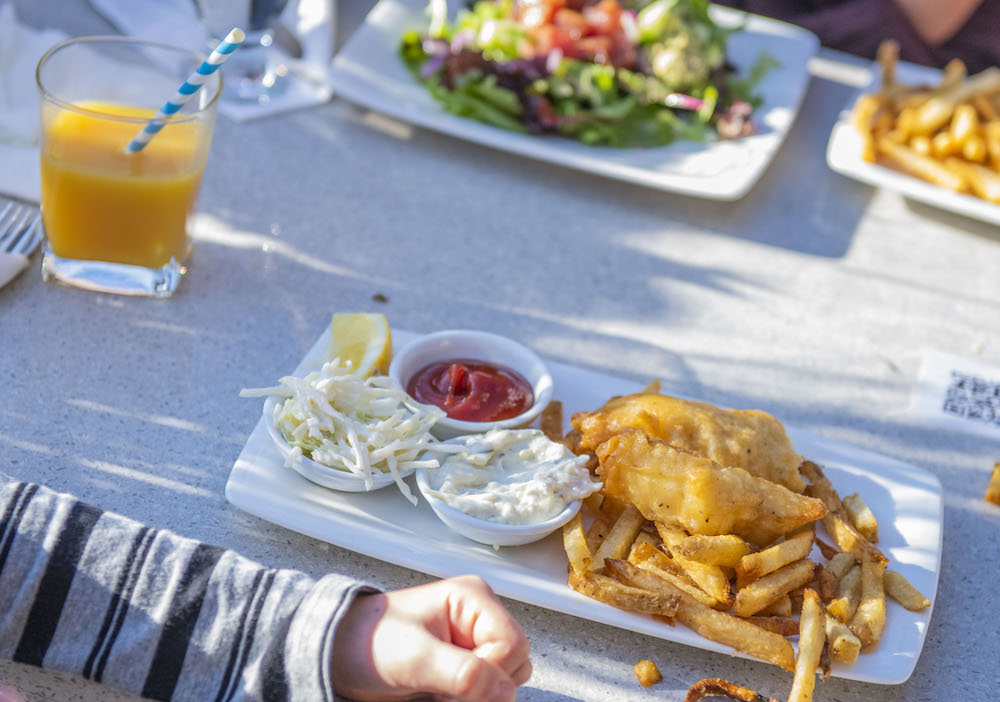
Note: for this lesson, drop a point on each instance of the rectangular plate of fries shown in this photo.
(369, 72)
(923, 163)
(905, 499)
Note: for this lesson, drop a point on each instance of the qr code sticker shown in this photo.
(972, 397)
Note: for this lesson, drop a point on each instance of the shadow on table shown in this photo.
(799, 204)
(944, 218)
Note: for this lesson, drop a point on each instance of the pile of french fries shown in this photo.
(729, 592)
(948, 134)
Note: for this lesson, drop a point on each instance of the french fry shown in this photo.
(964, 124)
(825, 664)
(987, 112)
(682, 582)
(848, 538)
(921, 144)
(868, 621)
(725, 550)
(921, 166)
(812, 636)
(616, 544)
(785, 626)
(793, 548)
(599, 529)
(899, 588)
(984, 182)
(796, 596)
(632, 599)
(826, 549)
(718, 626)
(952, 76)
(612, 507)
(709, 578)
(974, 150)
(760, 593)
(844, 645)
(593, 503)
(991, 135)
(861, 516)
(943, 145)
(647, 673)
(864, 113)
(827, 584)
(840, 564)
(887, 56)
(551, 421)
(656, 561)
(849, 597)
(642, 540)
(575, 544)
(993, 489)
(836, 521)
(781, 607)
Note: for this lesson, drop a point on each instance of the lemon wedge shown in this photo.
(364, 340)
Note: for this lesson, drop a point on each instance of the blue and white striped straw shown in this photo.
(190, 87)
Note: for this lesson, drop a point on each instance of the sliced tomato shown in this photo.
(572, 21)
(604, 18)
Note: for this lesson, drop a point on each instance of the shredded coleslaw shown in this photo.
(350, 423)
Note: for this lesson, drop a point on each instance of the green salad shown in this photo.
(621, 73)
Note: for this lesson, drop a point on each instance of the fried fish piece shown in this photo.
(680, 489)
(748, 439)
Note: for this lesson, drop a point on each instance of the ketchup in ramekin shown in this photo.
(472, 391)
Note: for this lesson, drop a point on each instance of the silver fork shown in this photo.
(19, 230)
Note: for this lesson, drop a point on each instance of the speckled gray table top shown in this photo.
(810, 298)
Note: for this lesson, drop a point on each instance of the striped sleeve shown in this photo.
(153, 613)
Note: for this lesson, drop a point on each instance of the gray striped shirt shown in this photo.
(150, 612)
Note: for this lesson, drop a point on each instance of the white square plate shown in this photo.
(843, 154)
(368, 71)
(383, 525)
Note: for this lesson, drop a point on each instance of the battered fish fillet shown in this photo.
(748, 439)
(697, 494)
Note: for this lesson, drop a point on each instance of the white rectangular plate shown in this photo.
(383, 525)
(843, 154)
(368, 71)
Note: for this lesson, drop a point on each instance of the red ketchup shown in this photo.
(472, 391)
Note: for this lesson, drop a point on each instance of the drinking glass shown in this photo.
(117, 221)
(256, 71)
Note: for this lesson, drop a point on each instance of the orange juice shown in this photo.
(100, 203)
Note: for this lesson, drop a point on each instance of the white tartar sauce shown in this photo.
(511, 477)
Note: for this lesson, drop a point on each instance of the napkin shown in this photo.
(176, 22)
(20, 49)
(10, 266)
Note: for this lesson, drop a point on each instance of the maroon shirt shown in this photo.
(858, 26)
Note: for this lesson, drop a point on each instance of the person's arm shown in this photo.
(937, 21)
(170, 618)
(156, 614)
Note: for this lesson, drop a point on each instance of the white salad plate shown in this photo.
(368, 71)
(843, 154)
(382, 524)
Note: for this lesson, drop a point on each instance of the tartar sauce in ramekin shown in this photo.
(511, 477)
